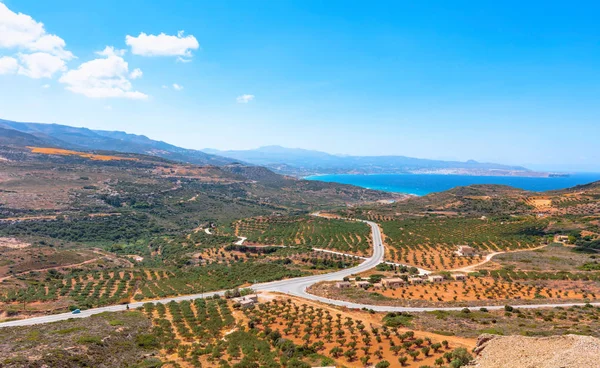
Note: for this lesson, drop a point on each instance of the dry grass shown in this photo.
(91, 156)
(528, 322)
(539, 202)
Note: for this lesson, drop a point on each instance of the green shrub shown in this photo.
(147, 341)
(68, 330)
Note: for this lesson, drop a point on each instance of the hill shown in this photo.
(42, 181)
(301, 162)
(17, 138)
(469, 201)
(63, 136)
(473, 200)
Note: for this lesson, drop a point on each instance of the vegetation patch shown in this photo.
(85, 342)
(432, 242)
(316, 232)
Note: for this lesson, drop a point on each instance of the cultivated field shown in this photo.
(339, 235)
(431, 243)
(53, 291)
(192, 333)
(351, 342)
(303, 259)
(496, 289)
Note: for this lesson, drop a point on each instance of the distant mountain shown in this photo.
(277, 155)
(257, 173)
(288, 161)
(17, 138)
(301, 162)
(63, 136)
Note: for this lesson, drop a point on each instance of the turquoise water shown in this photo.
(422, 184)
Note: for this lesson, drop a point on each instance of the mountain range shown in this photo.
(289, 161)
(67, 137)
(302, 162)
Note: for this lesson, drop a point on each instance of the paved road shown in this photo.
(241, 240)
(338, 253)
(296, 286)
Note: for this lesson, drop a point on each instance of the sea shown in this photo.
(423, 184)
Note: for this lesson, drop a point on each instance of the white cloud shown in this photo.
(244, 98)
(22, 32)
(40, 65)
(102, 78)
(136, 73)
(162, 45)
(37, 54)
(182, 60)
(111, 51)
(108, 107)
(46, 86)
(177, 87)
(8, 65)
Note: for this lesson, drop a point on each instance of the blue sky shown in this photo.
(508, 82)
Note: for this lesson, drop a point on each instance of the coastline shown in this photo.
(545, 176)
(423, 184)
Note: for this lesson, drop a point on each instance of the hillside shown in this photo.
(470, 201)
(84, 229)
(474, 199)
(44, 180)
(17, 138)
(63, 136)
(301, 162)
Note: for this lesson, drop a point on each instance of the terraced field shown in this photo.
(300, 258)
(188, 332)
(339, 235)
(497, 287)
(577, 205)
(87, 289)
(431, 242)
(350, 341)
(210, 333)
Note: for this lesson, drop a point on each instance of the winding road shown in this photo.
(296, 286)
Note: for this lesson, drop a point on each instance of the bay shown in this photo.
(422, 184)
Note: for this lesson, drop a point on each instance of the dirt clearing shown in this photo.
(13, 243)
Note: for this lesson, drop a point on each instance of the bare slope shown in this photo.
(569, 351)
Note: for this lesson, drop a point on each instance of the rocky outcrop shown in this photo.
(569, 351)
